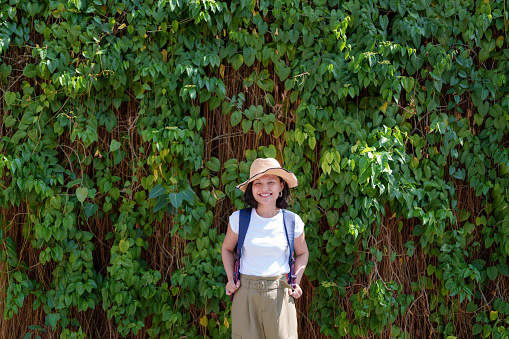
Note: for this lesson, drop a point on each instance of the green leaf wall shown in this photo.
(126, 125)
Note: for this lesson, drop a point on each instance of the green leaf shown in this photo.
(161, 203)
(80, 288)
(157, 191)
(10, 98)
(52, 320)
(484, 108)
(471, 307)
(492, 272)
(118, 101)
(270, 152)
(257, 126)
(118, 298)
(111, 123)
(75, 30)
(246, 125)
(115, 145)
(30, 71)
(9, 120)
(503, 269)
(90, 209)
(236, 61)
(384, 22)
(175, 199)
(18, 136)
(500, 41)
(249, 56)
(266, 85)
(213, 164)
(294, 36)
(480, 220)
(312, 142)
(36, 304)
(81, 194)
(408, 84)
(476, 329)
(187, 194)
(389, 122)
(300, 137)
(411, 247)
(123, 245)
(55, 201)
(279, 128)
(493, 315)
(236, 117)
(332, 218)
(263, 27)
(214, 103)
(283, 72)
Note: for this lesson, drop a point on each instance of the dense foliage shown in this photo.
(127, 124)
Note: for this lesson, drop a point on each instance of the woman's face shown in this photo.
(266, 189)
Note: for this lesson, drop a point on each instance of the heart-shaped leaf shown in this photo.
(82, 193)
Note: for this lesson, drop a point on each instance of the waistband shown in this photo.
(264, 283)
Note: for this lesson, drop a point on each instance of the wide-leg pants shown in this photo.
(263, 309)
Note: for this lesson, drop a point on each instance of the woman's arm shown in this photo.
(301, 261)
(229, 243)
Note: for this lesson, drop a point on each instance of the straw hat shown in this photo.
(262, 166)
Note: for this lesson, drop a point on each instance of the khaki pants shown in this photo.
(262, 309)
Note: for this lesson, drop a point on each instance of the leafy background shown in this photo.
(126, 125)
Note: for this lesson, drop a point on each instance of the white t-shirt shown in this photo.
(265, 250)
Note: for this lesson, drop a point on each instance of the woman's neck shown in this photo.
(267, 211)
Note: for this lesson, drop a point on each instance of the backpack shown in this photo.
(289, 225)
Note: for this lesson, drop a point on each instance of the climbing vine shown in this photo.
(126, 125)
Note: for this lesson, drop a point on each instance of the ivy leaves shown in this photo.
(81, 194)
(10, 98)
(254, 118)
(237, 61)
(174, 198)
(249, 56)
(281, 70)
(30, 71)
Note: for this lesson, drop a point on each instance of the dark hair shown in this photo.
(281, 202)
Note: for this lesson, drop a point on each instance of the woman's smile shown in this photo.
(266, 188)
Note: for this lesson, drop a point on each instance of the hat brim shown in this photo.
(287, 176)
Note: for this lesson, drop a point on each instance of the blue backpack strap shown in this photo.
(244, 219)
(289, 224)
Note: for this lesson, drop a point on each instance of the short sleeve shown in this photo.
(234, 221)
(299, 226)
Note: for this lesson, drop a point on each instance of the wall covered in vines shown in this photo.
(125, 126)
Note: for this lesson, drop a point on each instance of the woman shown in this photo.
(264, 306)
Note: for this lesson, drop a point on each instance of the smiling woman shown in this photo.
(259, 184)
(266, 244)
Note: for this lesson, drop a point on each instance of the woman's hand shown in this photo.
(296, 293)
(229, 243)
(231, 287)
